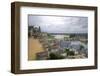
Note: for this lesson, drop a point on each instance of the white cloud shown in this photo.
(59, 24)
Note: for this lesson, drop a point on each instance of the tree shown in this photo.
(81, 47)
(72, 36)
(67, 50)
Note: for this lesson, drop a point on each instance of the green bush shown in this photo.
(55, 56)
(71, 53)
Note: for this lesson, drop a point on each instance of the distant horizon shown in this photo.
(67, 33)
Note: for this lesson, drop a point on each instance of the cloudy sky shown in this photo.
(59, 24)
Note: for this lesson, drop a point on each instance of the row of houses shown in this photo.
(59, 48)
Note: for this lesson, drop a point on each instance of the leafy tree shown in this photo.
(72, 36)
(67, 50)
(81, 47)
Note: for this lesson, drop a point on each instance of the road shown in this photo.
(34, 46)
